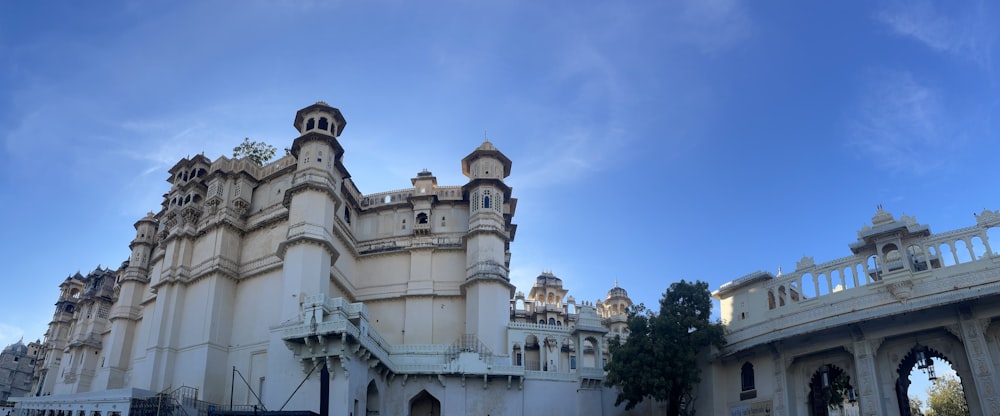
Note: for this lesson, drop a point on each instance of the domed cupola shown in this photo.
(617, 301)
(320, 117)
(317, 146)
(486, 162)
(617, 292)
(18, 348)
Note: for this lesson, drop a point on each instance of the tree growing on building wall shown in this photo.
(946, 398)
(258, 152)
(659, 358)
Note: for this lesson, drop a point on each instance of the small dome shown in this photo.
(616, 292)
(486, 146)
(17, 348)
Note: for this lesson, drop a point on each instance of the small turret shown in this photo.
(320, 117)
(317, 147)
(487, 287)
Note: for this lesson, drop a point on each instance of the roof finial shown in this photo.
(616, 282)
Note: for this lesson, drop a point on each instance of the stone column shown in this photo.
(979, 361)
(867, 381)
(543, 355)
(780, 382)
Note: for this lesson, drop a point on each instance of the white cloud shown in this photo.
(901, 125)
(969, 33)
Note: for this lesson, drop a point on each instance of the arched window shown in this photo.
(746, 377)
(310, 124)
(372, 402)
(486, 201)
(552, 321)
(323, 125)
(421, 218)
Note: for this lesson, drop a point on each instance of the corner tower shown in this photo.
(487, 286)
(308, 251)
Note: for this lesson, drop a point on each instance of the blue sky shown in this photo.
(651, 141)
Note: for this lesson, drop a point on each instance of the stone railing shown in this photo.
(590, 372)
(539, 327)
(550, 375)
(398, 196)
(897, 293)
(324, 323)
(449, 193)
(935, 252)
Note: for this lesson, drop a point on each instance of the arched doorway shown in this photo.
(921, 361)
(830, 388)
(372, 404)
(424, 404)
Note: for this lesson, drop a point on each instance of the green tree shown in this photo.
(659, 358)
(916, 407)
(946, 397)
(258, 152)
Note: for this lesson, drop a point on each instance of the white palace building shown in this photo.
(284, 288)
(903, 297)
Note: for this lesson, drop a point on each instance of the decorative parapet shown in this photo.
(487, 269)
(402, 196)
(388, 245)
(988, 218)
(927, 269)
(540, 327)
(897, 294)
(587, 320)
(398, 196)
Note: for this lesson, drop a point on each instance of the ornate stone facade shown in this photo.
(17, 365)
(905, 295)
(251, 280)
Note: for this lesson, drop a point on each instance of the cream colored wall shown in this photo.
(255, 309)
(745, 306)
(382, 276)
(448, 319)
(270, 193)
(385, 317)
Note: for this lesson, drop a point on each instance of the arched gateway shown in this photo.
(841, 337)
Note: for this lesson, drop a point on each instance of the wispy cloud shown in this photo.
(968, 32)
(711, 25)
(902, 125)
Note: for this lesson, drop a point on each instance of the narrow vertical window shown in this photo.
(746, 377)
